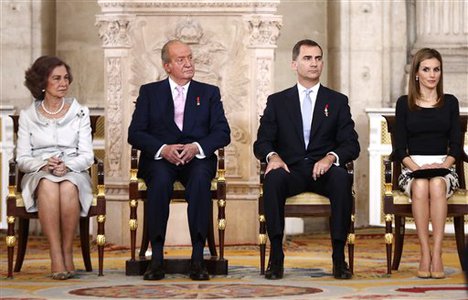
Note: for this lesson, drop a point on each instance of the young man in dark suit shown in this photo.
(306, 136)
(178, 124)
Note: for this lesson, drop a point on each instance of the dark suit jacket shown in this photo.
(281, 128)
(153, 120)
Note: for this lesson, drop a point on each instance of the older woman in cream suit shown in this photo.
(54, 150)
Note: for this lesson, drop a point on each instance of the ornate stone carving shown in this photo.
(264, 73)
(234, 162)
(217, 59)
(190, 6)
(239, 135)
(113, 32)
(114, 116)
(264, 31)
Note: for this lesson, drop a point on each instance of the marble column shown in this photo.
(367, 58)
(443, 25)
(233, 43)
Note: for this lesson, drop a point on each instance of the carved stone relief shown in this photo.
(113, 32)
(264, 31)
(264, 73)
(219, 60)
(114, 116)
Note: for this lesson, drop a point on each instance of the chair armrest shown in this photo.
(263, 166)
(388, 171)
(100, 170)
(12, 172)
(134, 158)
(350, 167)
(221, 172)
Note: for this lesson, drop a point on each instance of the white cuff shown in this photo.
(158, 156)
(200, 155)
(337, 162)
(269, 155)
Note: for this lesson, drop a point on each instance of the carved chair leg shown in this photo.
(133, 224)
(10, 242)
(399, 239)
(221, 222)
(144, 235)
(458, 224)
(23, 233)
(351, 257)
(262, 238)
(388, 241)
(351, 240)
(210, 237)
(101, 241)
(84, 239)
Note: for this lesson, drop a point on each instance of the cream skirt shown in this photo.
(81, 180)
(451, 179)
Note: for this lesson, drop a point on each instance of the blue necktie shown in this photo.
(307, 116)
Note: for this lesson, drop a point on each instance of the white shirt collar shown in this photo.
(173, 86)
(314, 89)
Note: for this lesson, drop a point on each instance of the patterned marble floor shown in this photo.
(307, 275)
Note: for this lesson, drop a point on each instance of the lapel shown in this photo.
(190, 110)
(294, 109)
(167, 104)
(319, 112)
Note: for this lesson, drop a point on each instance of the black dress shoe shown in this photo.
(341, 270)
(198, 271)
(155, 271)
(275, 270)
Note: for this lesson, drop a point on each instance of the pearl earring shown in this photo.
(43, 90)
(417, 78)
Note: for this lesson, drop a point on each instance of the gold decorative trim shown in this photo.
(262, 218)
(10, 220)
(133, 224)
(221, 224)
(388, 189)
(221, 175)
(133, 174)
(101, 218)
(133, 203)
(101, 190)
(262, 238)
(385, 137)
(389, 238)
(100, 239)
(351, 238)
(10, 240)
(388, 218)
(221, 203)
(11, 190)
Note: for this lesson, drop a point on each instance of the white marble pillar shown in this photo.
(367, 57)
(443, 25)
(233, 43)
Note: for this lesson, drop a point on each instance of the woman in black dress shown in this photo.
(428, 137)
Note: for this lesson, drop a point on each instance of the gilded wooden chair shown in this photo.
(16, 210)
(217, 264)
(306, 204)
(397, 205)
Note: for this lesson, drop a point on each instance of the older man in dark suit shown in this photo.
(306, 135)
(178, 124)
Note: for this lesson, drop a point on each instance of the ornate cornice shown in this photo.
(114, 30)
(264, 30)
(191, 7)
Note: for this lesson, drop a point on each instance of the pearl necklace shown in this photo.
(55, 112)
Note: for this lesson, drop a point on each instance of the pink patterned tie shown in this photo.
(179, 104)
